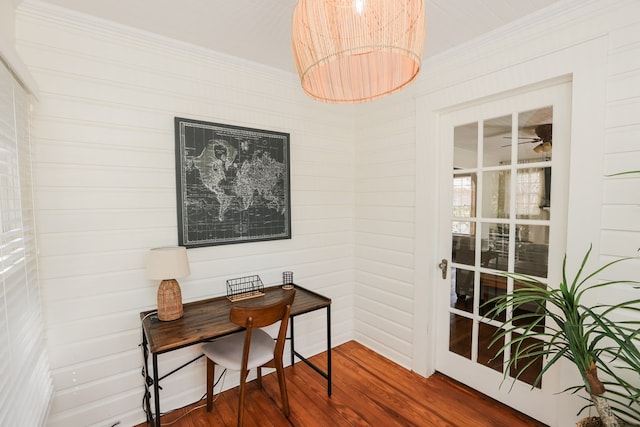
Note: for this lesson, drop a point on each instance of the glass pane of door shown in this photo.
(463, 229)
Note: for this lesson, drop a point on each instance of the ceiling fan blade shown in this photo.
(532, 141)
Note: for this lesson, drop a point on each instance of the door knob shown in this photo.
(443, 266)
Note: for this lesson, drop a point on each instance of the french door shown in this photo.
(502, 209)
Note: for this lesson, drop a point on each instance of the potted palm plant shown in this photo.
(562, 326)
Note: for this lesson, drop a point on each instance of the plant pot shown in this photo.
(590, 422)
(596, 422)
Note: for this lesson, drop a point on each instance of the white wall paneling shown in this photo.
(106, 194)
(621, 196)
(590, 43)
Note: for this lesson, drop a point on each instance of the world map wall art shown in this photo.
(232, 184)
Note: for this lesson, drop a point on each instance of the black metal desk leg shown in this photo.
(156, 389)
(145, 374)
(292, 343)
(329, 350)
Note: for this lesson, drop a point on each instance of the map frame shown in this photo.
(213, 214)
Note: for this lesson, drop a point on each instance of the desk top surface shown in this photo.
(209, 318)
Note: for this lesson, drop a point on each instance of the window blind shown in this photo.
(25, 380)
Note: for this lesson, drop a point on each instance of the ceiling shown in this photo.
(259, 30)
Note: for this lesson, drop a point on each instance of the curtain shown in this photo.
(530, 193)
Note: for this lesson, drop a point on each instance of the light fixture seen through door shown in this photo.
(357, 50)
(545, 133)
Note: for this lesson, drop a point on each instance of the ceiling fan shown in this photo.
(543, 136)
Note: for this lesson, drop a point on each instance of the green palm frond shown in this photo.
(546, 324)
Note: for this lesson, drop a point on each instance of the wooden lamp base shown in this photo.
(169, 300)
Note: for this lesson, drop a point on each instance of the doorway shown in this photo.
(504, 210)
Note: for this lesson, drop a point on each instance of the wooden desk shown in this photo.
(209, 319)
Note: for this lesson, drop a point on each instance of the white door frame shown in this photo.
(585, 65)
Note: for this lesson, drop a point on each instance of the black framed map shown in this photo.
(232, 184)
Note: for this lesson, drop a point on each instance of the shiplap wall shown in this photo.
(386, 280)
(106, 188)
(105, 194)
(385, 176)
(7, 20)
(621, 196)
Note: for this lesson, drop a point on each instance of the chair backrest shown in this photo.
(259, 317)
(263, 315)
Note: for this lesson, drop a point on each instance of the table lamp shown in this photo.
(168, 264)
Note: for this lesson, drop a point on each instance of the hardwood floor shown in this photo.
(368, 390)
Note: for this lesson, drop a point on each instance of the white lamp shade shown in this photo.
(169, 262)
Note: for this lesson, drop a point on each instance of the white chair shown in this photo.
(253, 348)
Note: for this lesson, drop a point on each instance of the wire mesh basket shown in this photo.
(244, 288)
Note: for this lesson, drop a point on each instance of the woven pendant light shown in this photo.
(357, 50)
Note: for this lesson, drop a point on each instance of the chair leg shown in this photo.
(243, 389)
(210, 379)
(283, 388)
(259, 379)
